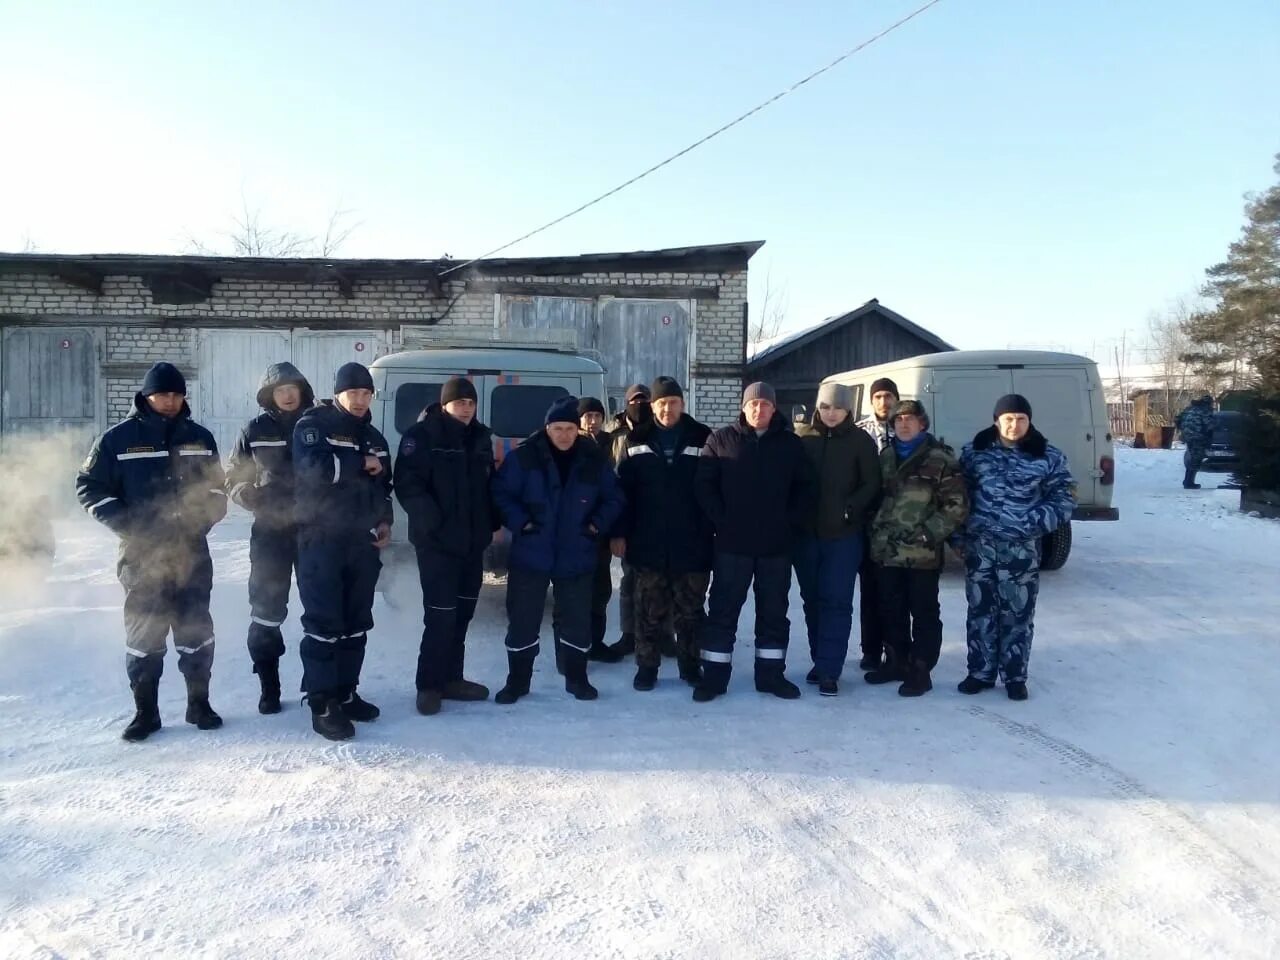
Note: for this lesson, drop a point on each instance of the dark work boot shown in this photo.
(198, 710)
(972, 685)
(1189, 481)
(812, 676)
(360, 710)
(465, 690)
(1016, 689)
(428, 702)
(870, 662)
(519, 673)
(917, 682)
(328, 719)
(778, 685)
(146, 719)
(691, 671)
(602, 652)
(890, 672)
(646, 678)
(268, 672)
(575, 675)
(625, 646)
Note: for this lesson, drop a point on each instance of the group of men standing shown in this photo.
(698, 517)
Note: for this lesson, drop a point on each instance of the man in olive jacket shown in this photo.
(828, 555)
(924, 500)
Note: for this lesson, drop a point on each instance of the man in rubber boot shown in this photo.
(827, 557)
(558, 496)
(260, 479)
(663, 534)
(1196, 426)
(923, 502)
(443, 474)
(879, 427)
(343, 502)
(1020, 490)
(156, 482)
(753, 483)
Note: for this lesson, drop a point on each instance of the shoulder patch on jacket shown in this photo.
(310, 436)
(407, 446)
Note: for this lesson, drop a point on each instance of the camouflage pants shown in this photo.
(663, 599)
(1001, 582)
(1194, 457)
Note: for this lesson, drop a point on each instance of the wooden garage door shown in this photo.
(50, 381)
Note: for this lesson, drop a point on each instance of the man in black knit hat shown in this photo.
(155, 481)
(343, 499)
(442, 478)
(879, 426)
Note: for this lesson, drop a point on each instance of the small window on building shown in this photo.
(411, 400)
(518, 410)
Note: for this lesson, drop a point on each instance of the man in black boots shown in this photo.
(753, 483)
(260, 479)
(878, 426)
(442, 478)
(343, 484)
(156, 482)
(559, 498)
(663, 534)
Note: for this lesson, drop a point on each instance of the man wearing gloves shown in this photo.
(753, 484)
(442, 478)
(1020, 489)
(155, 481)
(260, 479)
(343, 500)
(828, 555)
(558, 496)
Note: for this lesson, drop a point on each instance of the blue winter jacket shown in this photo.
(153, 478)
(549, 524)
(332, 491)
(1016, 493)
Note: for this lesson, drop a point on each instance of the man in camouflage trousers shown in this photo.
(1196, 426)
(1020, 489)
(924, 501)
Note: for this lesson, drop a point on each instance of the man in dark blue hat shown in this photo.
(343, 502)
(558, 496)
(155, 481)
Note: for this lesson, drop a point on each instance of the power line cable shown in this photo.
(710, 136)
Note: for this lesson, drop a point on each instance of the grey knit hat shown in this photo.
(836, 395)
(759, 391)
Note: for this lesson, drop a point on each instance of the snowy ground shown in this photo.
(1130, 809)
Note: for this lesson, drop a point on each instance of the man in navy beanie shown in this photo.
(343, 501)
(155, 481)
(559, 499)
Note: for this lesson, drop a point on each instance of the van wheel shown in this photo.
(1055, 548)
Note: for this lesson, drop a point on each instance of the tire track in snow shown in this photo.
(1237, 884)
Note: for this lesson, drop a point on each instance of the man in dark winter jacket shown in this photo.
(260, 479)
(753, 483)
(879, 427)
(1196, 426)
(827, 557)
(923, 501)
(1020, 489)
(155, 481)
(663, 534)
(558, 497)
(343, 503)
(637, 413)
(442, 478)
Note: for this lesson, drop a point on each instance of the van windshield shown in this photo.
(517, 410)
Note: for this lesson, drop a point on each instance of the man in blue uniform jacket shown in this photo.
(342, 482)
(155, 481)
(558, 496)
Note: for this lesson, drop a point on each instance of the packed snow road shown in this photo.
(1129, 809)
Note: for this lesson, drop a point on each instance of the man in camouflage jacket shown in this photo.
(924, 501)
(1020, 489)
(1196, 426)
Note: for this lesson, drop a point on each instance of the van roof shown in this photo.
(495, 358)
(969, 358)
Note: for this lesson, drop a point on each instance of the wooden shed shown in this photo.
(796, 363)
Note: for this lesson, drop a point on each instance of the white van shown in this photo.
(514, 387)
(959, 388)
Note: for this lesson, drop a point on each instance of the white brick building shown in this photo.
(80, 331)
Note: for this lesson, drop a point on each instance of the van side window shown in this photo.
(517, 410)
(857, 401)
(411, 400)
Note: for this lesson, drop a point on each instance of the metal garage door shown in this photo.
(50, 382)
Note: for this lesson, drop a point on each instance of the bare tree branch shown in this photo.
(771, 315)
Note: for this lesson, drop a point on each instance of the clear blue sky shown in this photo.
(1000, 171)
